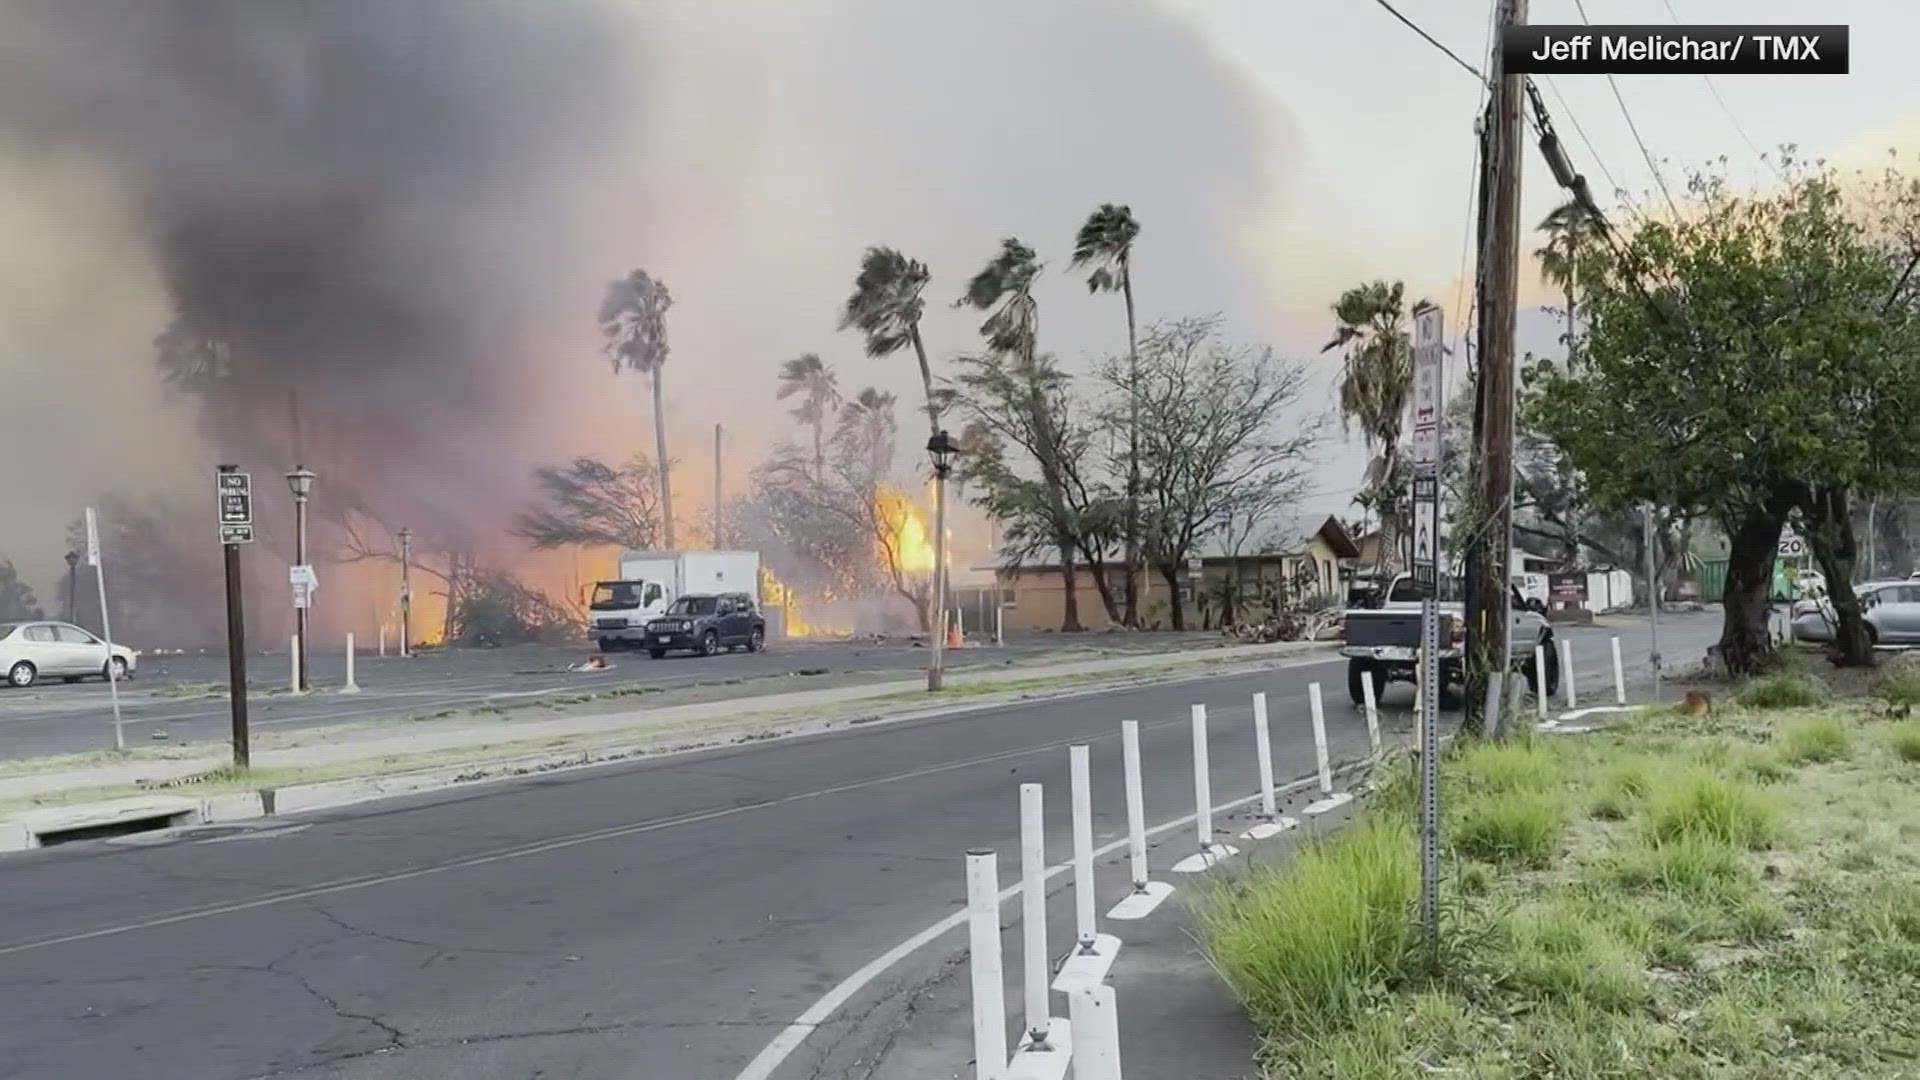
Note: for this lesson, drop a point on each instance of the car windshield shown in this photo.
(7, 629)
(613, 595)
(693, 605)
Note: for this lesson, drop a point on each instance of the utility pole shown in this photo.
(235, 491)
(1488, 599)
(406, 591)
(717, 545)
(1653, 598)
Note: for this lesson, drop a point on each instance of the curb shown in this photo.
(26, 830)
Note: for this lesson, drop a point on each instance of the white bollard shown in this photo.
(1082, 847)
(1619, 675)
(293, 659)
(383, 641)
(1540, 680)
(960, 622)
(1566, 670)
(1096, 1033)
(983, 955)
(1033, 910)
(1329, 798)
(1263, 747)
(1146, 894)
(351, 687)
(1210, 852)
(1373, 713)
(999, 626)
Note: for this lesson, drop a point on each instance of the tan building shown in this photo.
(1301, 566)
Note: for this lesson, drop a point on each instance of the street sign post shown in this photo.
(1429, 357)
(304, 583)
(106, 625)
(234, 494)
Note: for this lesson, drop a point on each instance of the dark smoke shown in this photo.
(343, 199)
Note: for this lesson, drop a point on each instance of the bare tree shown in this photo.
(591, 503)
(1220, 439)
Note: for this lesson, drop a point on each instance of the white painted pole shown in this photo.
(1263, 746)
(1320, 739)
(1033, 908)
(383, 640)
(999, 625)
(294, 659)
(1566, 669)
(1373, 713)
(1202, 782)
(1419, 683)
(1096, 1033)
(960, 622)
(1136, 804)
(983, 955)
(1079, 757)
(1619, 675)
(352, 687)
(1540, 680)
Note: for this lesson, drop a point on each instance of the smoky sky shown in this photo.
(403, 212)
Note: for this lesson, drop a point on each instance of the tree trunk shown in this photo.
(1755, 541)
(926, 379)
(819, 452)
(1569, 328)
(1132, 581)
(1070, 604)
(1097, 563)
(660, 450)
(1171, 572)
(1389, 543)
(1830, 531)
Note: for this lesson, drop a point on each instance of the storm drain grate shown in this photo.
(126, 826)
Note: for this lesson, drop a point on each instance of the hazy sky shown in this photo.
(1276, 151)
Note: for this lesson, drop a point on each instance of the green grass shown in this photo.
(1736, 897)
(1904, 738)
(1703, 804)
(1814, 741)
(1307, 944)
(1515, 827)
(1785, 690)
(1900, 687)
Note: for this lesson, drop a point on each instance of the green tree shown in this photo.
(809, 378)
(633, 318)
(1105, 244)
(591, 503)
(886, 307)
(16, 597)
(1376, 386)
(1760, 355)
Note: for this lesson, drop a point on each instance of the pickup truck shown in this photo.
(1380, 643)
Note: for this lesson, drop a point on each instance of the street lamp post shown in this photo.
(941, 449)
(300, 482)
(406, 590)
(73, 585)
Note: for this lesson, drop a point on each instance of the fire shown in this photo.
(907, 532)
(775, 591)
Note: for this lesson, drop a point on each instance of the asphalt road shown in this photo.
(169, 694)
(654, 921)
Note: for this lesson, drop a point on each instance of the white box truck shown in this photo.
(649, 581)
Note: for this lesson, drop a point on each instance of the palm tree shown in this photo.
(809, 376)
(1375, 390)
(886, 307)
(867, 422)
(633, 317)
(1105, 243)
(1569, 229)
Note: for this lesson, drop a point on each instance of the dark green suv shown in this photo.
(706, 623)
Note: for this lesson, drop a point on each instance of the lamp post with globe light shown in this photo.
(941, 449)
(300, 482)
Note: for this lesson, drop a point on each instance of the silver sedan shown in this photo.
(31, 651)
(1888, 608)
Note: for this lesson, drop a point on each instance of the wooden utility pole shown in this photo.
(1488, 608)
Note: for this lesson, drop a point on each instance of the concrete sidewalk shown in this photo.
(534, 743)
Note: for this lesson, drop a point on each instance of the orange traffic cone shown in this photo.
(953, 635)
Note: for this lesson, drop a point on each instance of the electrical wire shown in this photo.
(1581, 6)
(1731, 119)
(1431, 40)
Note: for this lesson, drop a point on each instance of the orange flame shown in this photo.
(796, 623)
(907, 534)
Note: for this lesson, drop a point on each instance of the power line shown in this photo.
(1431, 40)
(1715, 91)
(1580, 6)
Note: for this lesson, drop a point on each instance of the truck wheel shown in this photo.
(657, 654)
(607, 644)
(757, 640)
(1358, 670)
(709, 643)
